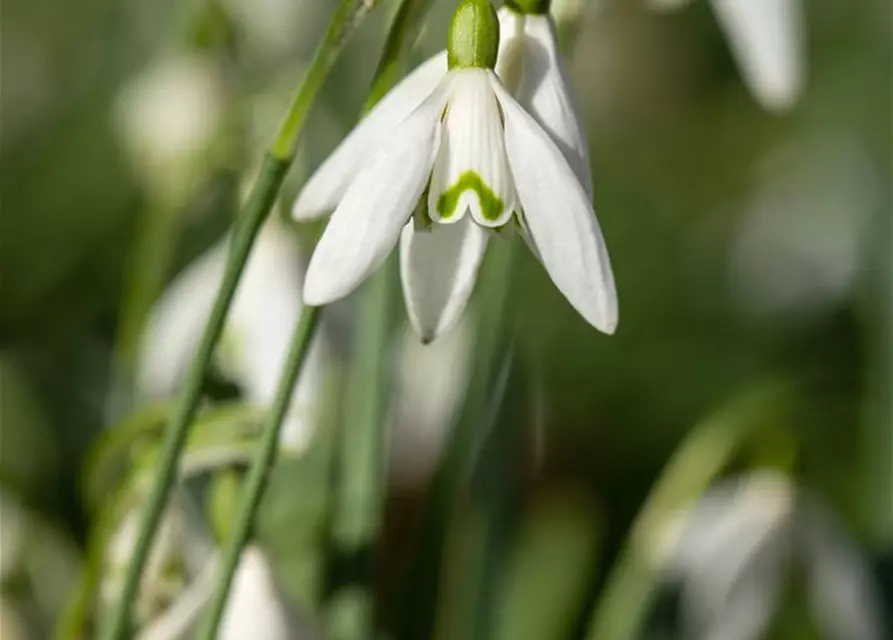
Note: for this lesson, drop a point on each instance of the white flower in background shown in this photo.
(766, 38)
(168, 117)
(255, 607)
(270, 25)
(733, 551)
(261, 321)
(798, 246)
(453, 145)
(430, 386)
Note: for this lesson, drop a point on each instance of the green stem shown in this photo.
(275, 165)
(258, 474)
(256, 210)
(357, 517)
(347, 18)
(705, 452)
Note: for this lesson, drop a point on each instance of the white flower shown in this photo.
(265, 310)
(766, 38)
(733, 550)
(255, 608)
(485, 162)
(168, 117)
(430, 383)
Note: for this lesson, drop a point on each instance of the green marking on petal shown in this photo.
(491, 205)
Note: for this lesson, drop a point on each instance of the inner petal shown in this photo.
(471, 172)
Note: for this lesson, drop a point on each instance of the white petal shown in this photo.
(328, 184)
(766, 38)
(175, 326)
(265, 310)
(559, 217)
(365, 226)
(546, 92)
(255, 608)
(510, 59)
(439, 267)
(471, 172)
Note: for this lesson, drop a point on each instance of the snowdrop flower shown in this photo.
(255, 607)
(168, 117)
(431, 380)
(451, 144)
(766, 38)
(733, 550)
(266, 307)
(827, 186)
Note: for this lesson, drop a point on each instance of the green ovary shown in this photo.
(491, 205)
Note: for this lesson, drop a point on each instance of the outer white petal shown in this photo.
(255, 608)
(559, 217)
(471, 164)
(378, 203)
(429, 387)
(265, 310)
(330, 181)
(547, 94)
(438, 268)
(766, 37)
(176, 323)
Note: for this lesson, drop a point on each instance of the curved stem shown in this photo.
(276, 163)
(260, 467)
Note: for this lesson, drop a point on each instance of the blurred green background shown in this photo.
(749, 248)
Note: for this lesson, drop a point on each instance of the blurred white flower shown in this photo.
(258, 330)
(797, 248)
(270, 25)
(459, 134)
(734, 550)
(431, 383)
(255, 607)
(766, 38)
(168, 117)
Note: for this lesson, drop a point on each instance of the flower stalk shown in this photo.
(258, 474)
(255, 211)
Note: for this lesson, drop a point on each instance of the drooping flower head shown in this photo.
(452, 145)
